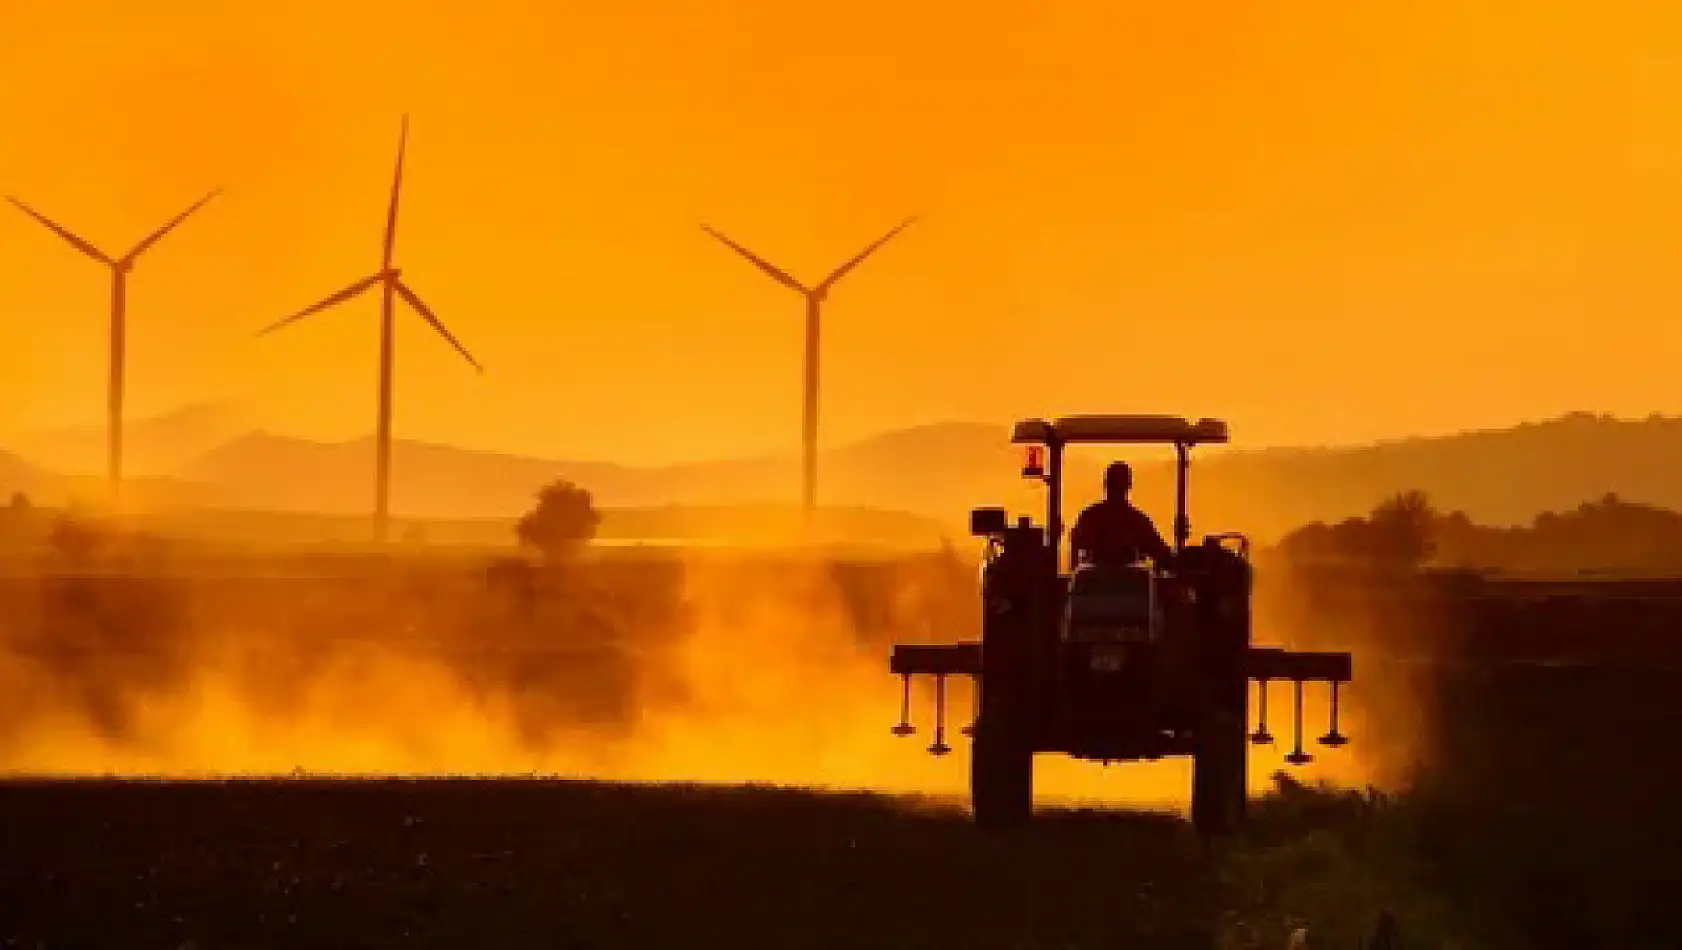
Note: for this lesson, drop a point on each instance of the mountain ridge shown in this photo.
(153, 446)
(942, 469)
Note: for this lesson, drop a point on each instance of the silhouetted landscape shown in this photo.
(539, 652)
(530, 475)
(914, 484)
(1507, 595)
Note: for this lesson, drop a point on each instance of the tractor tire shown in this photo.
(1001, 779)
(1219, 779)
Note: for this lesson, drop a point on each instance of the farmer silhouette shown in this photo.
(1114, 533)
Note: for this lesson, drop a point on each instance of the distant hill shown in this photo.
(940, 471)
(19, 476)
(152, 447)
(915, 470)
(1497, 476)
(264, 471)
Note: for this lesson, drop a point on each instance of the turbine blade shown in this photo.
(773, 271)
(858, 258)
(437, 324)
(169, 226)
(62, 232)
(329, 301)
(390, 246)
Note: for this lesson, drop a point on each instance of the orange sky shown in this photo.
(1325, 220)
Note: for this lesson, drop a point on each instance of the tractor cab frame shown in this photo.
(1046, 443)
(1112, 665)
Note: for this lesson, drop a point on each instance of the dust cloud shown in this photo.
(700, 668)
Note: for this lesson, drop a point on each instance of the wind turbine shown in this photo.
(815, 296)
(120, 267)
(389, 279)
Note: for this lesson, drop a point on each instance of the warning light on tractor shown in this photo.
(1033, 462)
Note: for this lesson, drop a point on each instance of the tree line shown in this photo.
(1407, 531)
(1404, 532)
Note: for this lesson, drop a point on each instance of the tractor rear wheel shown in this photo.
(1001, 778)
(1219, 786)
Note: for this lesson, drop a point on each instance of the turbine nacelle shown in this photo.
(818, 292)
(122, 264)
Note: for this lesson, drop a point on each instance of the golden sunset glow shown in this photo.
(988, 474)
(1323, 221)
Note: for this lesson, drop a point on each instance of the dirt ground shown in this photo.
(554, 864)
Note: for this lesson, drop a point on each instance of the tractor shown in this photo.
(1112, 663)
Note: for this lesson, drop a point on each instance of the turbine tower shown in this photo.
(120, 267)
(815, 296)
(389, 278)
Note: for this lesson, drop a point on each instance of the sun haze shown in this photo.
(1323, 221)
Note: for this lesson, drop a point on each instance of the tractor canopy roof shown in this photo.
(1166, 430)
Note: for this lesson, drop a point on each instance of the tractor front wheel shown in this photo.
(1219, 787)
(1001, 779)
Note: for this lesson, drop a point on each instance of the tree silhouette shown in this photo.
(1400, 530)
(1396, 535)
(564, 519)
(1607, 535)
